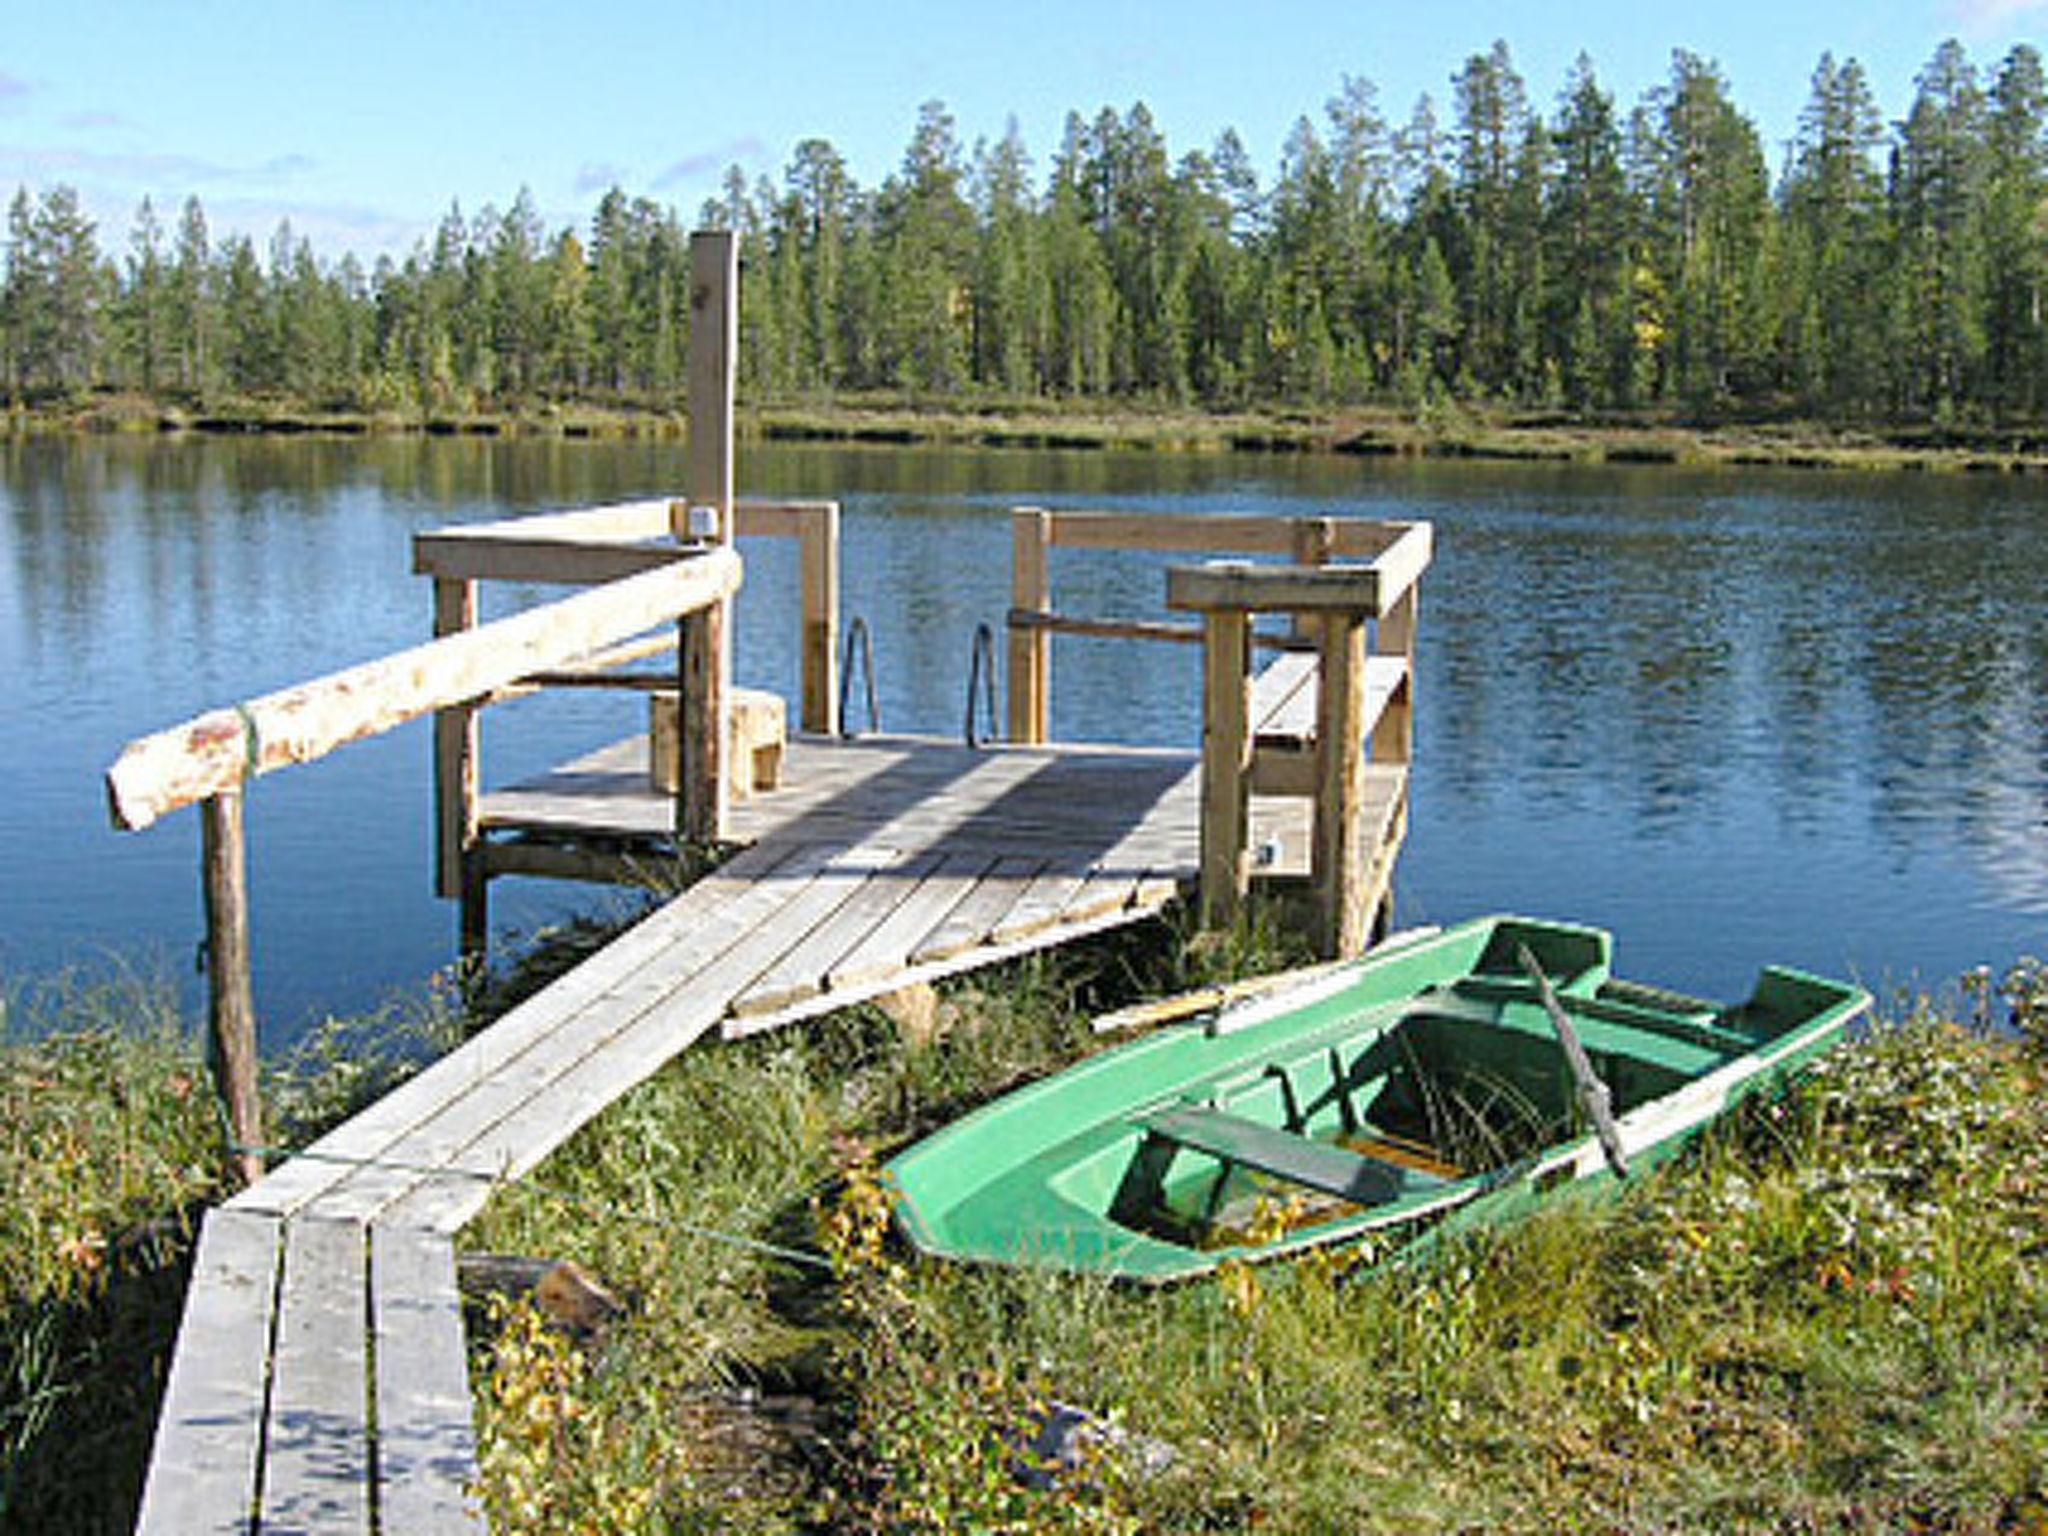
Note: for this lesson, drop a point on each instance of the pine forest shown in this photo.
(1591, 257)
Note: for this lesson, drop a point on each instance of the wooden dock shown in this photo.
(320, 1379)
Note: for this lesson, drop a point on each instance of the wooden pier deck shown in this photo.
(320, 1381)
(888, 861)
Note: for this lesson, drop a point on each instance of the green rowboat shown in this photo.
(1455, 1076)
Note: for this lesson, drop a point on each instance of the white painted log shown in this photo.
(218, 750)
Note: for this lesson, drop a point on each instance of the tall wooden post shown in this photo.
(705, 661)
(1030, 690)
(231, 1001)
(818, 560)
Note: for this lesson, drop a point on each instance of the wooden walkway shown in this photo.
(321, 1384)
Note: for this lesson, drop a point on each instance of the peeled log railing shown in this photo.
(210, 760)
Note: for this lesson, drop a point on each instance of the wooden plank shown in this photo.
(535, 1024)
(316, 1453)
(701, 931)
(762, 517)
(645, 1034)
(886, 949)
(875, 881)
(209, 1433)
(625, 522)
(426, 1443)
(216, 751)
(1275, 588)
(459, 554)
(1151, 896)
(1251, 533)
(575, 1017)
(973, 921)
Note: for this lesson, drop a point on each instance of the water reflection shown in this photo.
(1732, 715)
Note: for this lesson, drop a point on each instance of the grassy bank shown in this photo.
(1448, 430)
(1831, 1315)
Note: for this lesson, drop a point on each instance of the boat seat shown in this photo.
(1317, 1165)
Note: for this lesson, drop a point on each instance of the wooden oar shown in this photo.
(1207, 999)
(1594, 1098)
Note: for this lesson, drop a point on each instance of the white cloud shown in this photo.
(1987, 18)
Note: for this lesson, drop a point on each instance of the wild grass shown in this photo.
(1832, 1314)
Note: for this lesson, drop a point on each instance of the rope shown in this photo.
(252, 744)
(739, 1240)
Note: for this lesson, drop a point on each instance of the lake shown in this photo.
(1736, 716)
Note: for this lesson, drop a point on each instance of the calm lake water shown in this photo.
(1735, 716)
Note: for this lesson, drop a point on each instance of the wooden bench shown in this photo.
(758, 733)
(1317, 1165)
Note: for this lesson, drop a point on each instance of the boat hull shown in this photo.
(1420, 1086)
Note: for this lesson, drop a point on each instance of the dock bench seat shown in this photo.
(1317, 1165)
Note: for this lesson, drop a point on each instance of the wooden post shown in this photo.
(713, 377)
(460, 874)
(231, 1002)
(1030, 681)
(1338, 858)
(818, 556)
(705, 661)
(1393, 739)
(1226, 764)
(1313, 541)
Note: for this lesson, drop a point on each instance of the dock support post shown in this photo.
(231, 1002)
(1030, 649)
(1226, 764)
(705, 662)
(1338, 860)
(818, 560)
(460, 873)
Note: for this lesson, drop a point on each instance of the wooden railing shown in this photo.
(1401, 551)
(598, 544)
(210, 760)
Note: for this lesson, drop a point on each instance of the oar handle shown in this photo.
(1594, 1098)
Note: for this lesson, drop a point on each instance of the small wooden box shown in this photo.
(758, 729)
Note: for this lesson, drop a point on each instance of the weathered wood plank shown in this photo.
(537, 1023)
(886, 948)
(426, 1443)
(805, 968)
(203, 1469)
(1252, 533)
(472, 1088)
(973, 921)
(216, 751)
(316, 1453)
(646, 1035)
(1240, 585)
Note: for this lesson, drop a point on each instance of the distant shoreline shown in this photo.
(1446, 433)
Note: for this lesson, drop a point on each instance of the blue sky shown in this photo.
(363, 120)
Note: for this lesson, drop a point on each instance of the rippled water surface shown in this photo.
(1735, 716)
